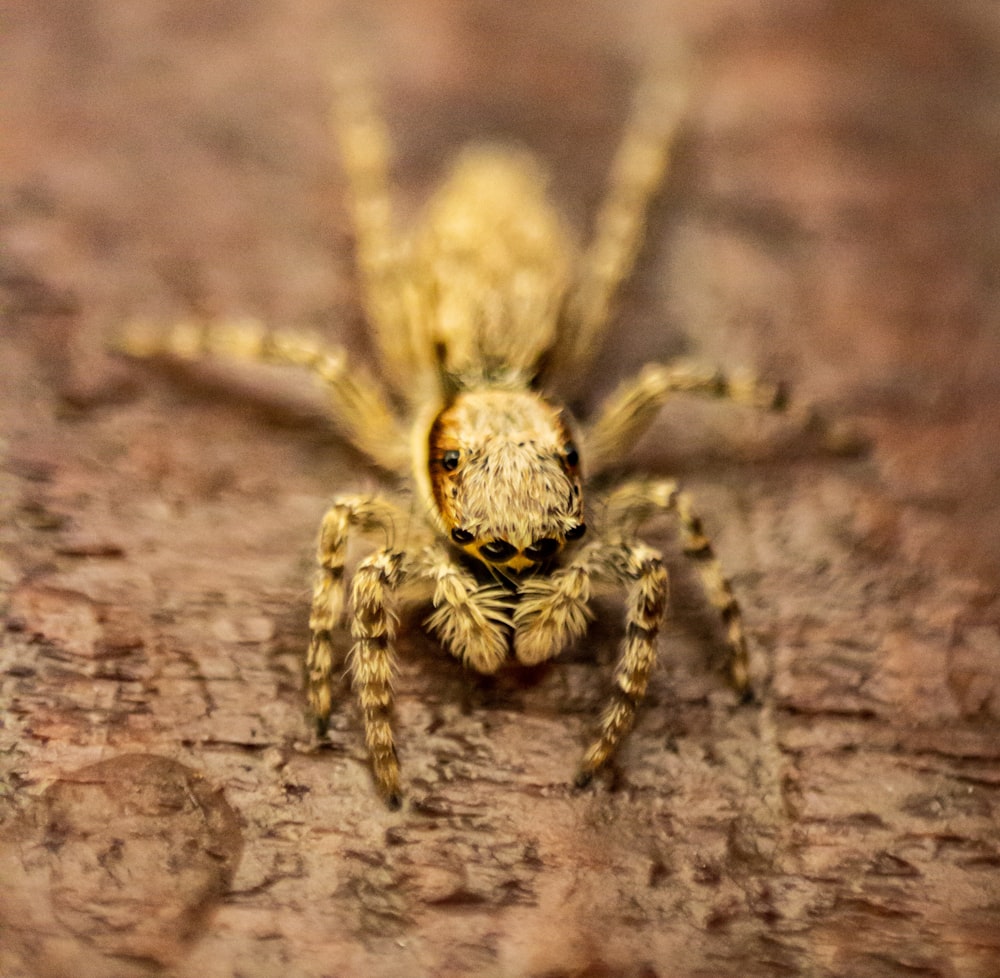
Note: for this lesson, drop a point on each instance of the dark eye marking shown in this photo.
(575, 532)
(449, 460)
(462, 536)
(572, 456)
(497, 550)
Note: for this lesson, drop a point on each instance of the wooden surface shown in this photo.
(833, 221)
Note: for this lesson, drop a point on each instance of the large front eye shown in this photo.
(542, 549)
(497, 550)
(449, 460)
(572, 455)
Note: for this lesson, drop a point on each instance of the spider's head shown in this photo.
(505, 477)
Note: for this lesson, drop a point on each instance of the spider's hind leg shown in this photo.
(383, 263)
(637, 172)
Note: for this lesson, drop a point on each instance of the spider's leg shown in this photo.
(472, 620)
(630, 410)
(363, 141)
(553, 611)
(717, 589)
(348, 514)
(645, 603)
(638, 170)
(641, 569)
(373, 627)
(357, 401)
(633, 503)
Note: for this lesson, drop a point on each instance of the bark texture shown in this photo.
(832, 221)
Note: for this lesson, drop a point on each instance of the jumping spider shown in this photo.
(474, 314)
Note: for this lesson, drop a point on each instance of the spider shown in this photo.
(476, 314)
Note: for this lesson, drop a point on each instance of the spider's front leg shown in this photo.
(645, 604)
(373, 626)
(632, 503)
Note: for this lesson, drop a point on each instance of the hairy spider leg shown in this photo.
(373, 628)
(631, 409)
(638, 171)
(636, 501)
(348, 514)
(358, 402)
(641, 569)
(364, 145)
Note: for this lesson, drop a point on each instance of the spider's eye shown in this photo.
(542, 549)
(462, 536)
(572, 456)
(497, 550)
(575, 532)
(449, 460)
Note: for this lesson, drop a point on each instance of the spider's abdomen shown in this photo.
(492, 263)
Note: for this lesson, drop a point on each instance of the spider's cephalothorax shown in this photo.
(505, 477)
(463, 312)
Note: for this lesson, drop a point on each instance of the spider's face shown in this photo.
(505, 477)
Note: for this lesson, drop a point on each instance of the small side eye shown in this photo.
(449, 460)
(575, 532)
(572, 456)
(462, 536)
